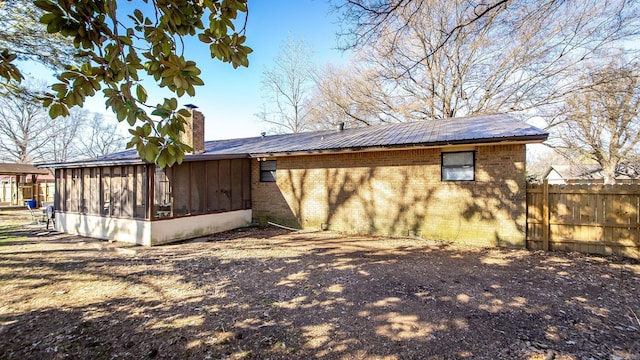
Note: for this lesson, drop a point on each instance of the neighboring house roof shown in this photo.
(589, 172)
(21, 169)
(465, 130)
(568, 172)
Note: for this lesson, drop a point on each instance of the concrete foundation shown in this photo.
(151, 233)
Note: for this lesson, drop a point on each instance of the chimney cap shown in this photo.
(340, 126)
(190, 106)
(263, 134)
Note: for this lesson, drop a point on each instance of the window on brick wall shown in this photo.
(458, 166)
(268, 171)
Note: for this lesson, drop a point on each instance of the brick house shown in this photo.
(458, 179)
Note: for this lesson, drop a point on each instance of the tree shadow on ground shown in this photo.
(321, 295)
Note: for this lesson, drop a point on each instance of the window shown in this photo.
(127, 201)
(180, 189)
(59, 195)
(198, 187)
(116, 191)
(106, 191)
(141, 193)
(458, 166)
(162, 192)
(213, 179)
(268, 171)
(94, 186)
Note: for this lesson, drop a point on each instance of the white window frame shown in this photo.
(453, 169)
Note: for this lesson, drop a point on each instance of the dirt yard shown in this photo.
(274, 294)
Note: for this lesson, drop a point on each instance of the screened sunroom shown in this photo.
(143, 204)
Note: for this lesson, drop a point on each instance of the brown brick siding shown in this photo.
(397, 193)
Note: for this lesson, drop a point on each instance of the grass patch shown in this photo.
(7, 233)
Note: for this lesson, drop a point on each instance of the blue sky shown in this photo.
(231, 97)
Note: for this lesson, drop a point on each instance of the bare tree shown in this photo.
(100, 138)
(351, 95)
(286, 87)
(602, 122)
(28, 134)
(366, 20)
(64, 135)
(23, 123)
(439, 59)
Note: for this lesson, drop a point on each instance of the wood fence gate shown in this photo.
(597, 219)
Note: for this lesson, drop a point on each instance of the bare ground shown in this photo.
(274, 294)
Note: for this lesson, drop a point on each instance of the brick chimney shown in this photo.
(194, 130)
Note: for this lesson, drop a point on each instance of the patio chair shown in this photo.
(51, 216)
(35, 217)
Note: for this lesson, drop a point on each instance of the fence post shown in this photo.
(545, 215)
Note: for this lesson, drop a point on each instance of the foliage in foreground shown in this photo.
(118, 47)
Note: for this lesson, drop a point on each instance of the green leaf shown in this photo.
(146, 129)
(108, 61)
(48, 18)
(204, 38)
(197, 81)
(161, 113)
(138, 14)
(125, 40)
(141, 93)
(57, 110)
(133, 142)
(46, 5)
(53, 26)
(59, 87)
(131, 118)
(160, 161)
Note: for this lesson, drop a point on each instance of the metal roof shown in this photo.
(464, 130)
(469, 130)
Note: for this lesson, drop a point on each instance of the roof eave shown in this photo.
(205, 156)
(13, 173)
(99, 163)
(93, 163)
(528, 139)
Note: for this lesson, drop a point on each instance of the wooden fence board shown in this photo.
(601, 219)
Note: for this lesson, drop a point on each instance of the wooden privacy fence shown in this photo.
(15, 194)
(597, 219)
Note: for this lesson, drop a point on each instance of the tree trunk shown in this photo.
(609, 173)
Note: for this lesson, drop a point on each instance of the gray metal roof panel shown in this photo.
(474, 129)
(494, 127)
